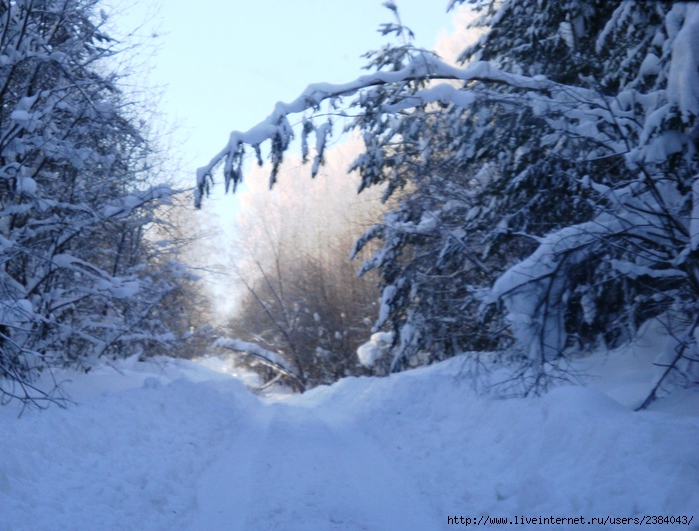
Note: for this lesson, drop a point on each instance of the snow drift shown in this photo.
(171, 444)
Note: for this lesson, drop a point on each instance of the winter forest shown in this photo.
(458, 286)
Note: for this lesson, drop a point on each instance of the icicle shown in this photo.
(322, 133)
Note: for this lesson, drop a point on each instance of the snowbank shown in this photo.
(174, 445)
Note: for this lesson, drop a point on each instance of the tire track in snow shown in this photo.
(295, 472)
(224, 488)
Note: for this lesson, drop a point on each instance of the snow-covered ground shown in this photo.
(174, 445)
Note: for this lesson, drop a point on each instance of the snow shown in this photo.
(683, 80)
(650, 65)
(532, 288)
(277, 127)
(387, 295)
(619, 15)
(21, 116)
(371, 351)
(26, 185)
(632, 270)
(227, 365)
(254, 349)
(566, 32)
(15, 311)
(171, 444)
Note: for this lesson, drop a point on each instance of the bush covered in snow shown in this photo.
(80, 281)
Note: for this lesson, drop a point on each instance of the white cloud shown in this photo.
(450, 44)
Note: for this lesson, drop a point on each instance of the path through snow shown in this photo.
(291, 470)
(175, 446)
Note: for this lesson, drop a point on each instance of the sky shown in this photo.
(224, 64)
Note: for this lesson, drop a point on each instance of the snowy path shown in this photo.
(292, 471)
(176, 447)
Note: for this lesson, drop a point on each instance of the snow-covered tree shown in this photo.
(79, 279)
(301, 296)
(557, 178)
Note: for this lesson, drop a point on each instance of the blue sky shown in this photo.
(224, 64)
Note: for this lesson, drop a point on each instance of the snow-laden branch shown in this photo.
(270, 359)
(569, 110)
(533, 290)
(277, 129)
(683, 80)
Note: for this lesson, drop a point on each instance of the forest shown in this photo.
(533, 203)
(462, 286)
